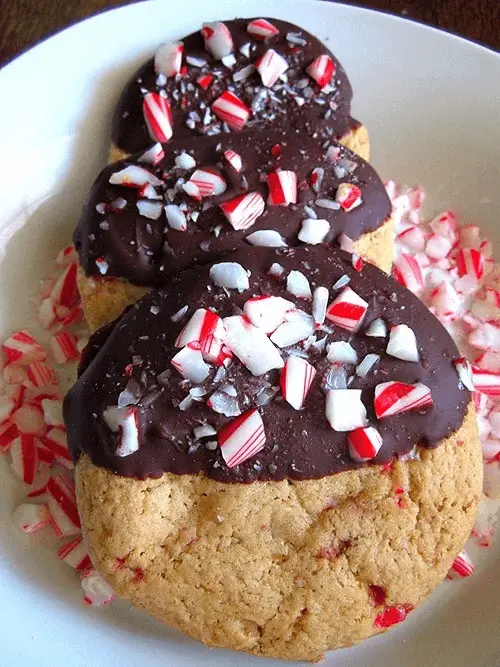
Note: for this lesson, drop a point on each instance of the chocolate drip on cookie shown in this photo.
(271, 364)
(145, 221)
(192, 83)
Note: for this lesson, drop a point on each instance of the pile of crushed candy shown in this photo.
(450, 267)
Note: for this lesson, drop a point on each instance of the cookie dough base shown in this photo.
(356, 140)
(283, 569)
(104, 299)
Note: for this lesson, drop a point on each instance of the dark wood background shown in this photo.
(26, 22)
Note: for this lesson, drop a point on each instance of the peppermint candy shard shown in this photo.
(75, 555)
(208, 182)
(242, 211)
(128, 432)
(348, 196)
(214, 351)
(298, 327)
(229, 275)
(22, 349)
(403, 343)
(470, 262)
(282, 188)
(322, 69)
(462, 566)
(158, 117)
(176, 217)
(319, 305)
(295, 381)
(168, 59)
(345, 410)
(234, 159)
(251, 345)
(30, 518)
(464, 370)
(364, 444)
(270, 67)
(314, 231)
(376, 329)
(190, 364)
(242, 438)
(347, 310)
(261, 29)
(298, 285)
(408, 273)
(266, 238)
(393, 398)
(231, 110)
(267, 312)
(203, 323)
(217, 38)
(487, 382)
(342, 352)
(134, 177)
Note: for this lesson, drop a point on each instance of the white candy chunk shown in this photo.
(134, 176)
(342, 352)
(402, 343)
(319, 305)
(267, 312)
(251, 345)
(267, 238)
(229, 275)
(345, 410)
(298, 327)
(298, 285)
(191, 365)
(149, 209)
(314, 231)
(175, 217)
(376, 329)
(185, 161)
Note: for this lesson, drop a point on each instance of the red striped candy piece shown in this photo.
(394, 398)
(295, 381)
(357, 262)
(322, 69)
(242, 211)
(347, 310)
(214, 351)
(364, 443)
(29, 419)
(61, 500)
(158, 117)
(316, 178)
(202, 324)
(413, 237)
(438, 247)
(42, 476)
(348, 196)
(97, 592)
(231, 110)
(16, 375)
(282, 188)
(251, 345)
(261, 29)
(128, 432)
(30, 518)
(25, 457)
(487, 382)
(208, 182)
(168, 59)
(22, 349)
(234, 160)
(345, 410)
(445, 300)
(271, 66)
(204, 81)
(75, 554)
(462, 566)
(40, 374)
(242, 438)
(65, 290)
(8, 433)
(64, 347)
(407, 272)
(218, 40)
(190, 364)
(267, 312)
(470, 262)
(56, 442)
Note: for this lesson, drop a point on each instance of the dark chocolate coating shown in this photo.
(146, 252)
(300, 444)
(330, 118)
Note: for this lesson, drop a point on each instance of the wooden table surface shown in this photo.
(25, 22)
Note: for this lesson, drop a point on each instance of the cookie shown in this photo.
(271, 469)
(283, 78)
(142, 234)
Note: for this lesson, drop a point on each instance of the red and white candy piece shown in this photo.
(202, 324)
(64, 347)
(25, 457)
(251, 345)
(158, 117)
(242, 211)
(462, 566)
(487, 382)
(29, 419)
(231, 110)
(153, 155)
(282, 188)
(75, 555)
(128, 432)
(8, 433)
(242, 438)
(97, 592)
(348, 196)
(190, 363)
(322, 69)
(13, 375)
(65, 290)
(261, 29)
(204, 80)
(218, 40)
(30, 518)
(445, 225)
(403, 343)
(40, 374)
(134, 176)
(445, 300)
(53, 412)
(464, 370)
(214, 351)
(438, 247)
(364, 443)
(267, 312)
(394, 398)
(345, 410)
(61, 500)
(413, 237)
(22, 349)
(470, 262)
(347, 310)
(208, 182)
(271, 66)
(295, 381)
(168, 59)
(234, 159)
(66, 256)
(407, 272)
(316, 178)
(56, 442)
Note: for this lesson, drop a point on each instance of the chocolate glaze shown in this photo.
(147, 252)
(300, 444)
(330, 119)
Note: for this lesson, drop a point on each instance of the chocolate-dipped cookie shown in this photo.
(276, 452)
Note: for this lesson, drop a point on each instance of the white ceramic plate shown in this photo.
(430, 101)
